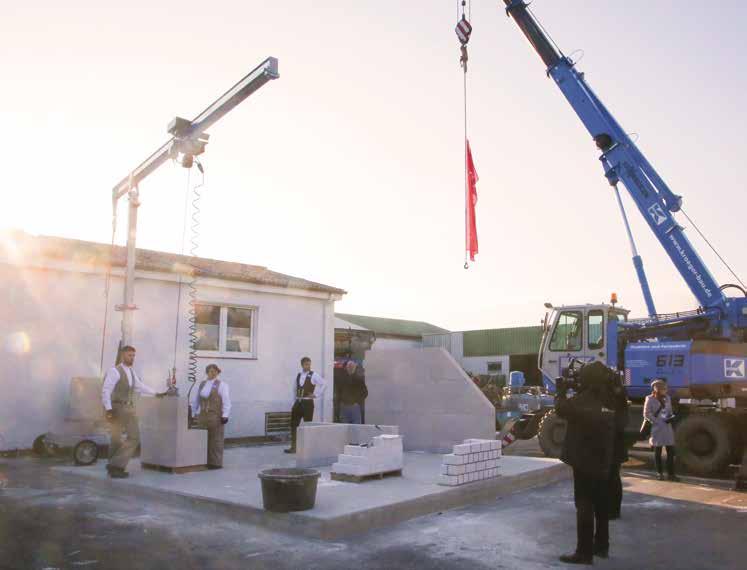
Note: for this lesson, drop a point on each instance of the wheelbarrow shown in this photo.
(83, 429)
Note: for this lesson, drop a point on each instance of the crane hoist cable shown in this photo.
(107, 288)
(463, 31)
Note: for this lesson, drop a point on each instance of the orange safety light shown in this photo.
(613, 299)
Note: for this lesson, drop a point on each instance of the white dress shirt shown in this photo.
(111, 379)
(205, 393)
(316, 380)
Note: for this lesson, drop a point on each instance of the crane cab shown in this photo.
(576, 331)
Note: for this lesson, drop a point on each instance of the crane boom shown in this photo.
(624, 162)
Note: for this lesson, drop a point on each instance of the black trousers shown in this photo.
(591, 495)
(301, 410)
(615, 490)
(670, 460)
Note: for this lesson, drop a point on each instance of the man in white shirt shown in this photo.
(118, 397)
(305, 393)
(211, 405)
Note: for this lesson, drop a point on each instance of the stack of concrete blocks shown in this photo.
(473, 460)
(384, 455)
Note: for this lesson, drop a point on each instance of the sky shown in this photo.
(348, 169)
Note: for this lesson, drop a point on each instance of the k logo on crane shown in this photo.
(657, 214)
(735, 368)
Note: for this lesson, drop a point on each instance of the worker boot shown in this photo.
(577, 558)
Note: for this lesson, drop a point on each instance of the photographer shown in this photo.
(588, 448)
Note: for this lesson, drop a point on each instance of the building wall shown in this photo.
(51, 332)
(395, 344)
(479, 364)
(425, 392)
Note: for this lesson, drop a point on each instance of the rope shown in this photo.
(107, 287)
(713, 248)
(466, 11)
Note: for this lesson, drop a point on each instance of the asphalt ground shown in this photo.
(48, 520)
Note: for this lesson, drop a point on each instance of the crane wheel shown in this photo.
(704, 444)
(551, 434)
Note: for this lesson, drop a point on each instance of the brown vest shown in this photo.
(213, 404)
(123, 392)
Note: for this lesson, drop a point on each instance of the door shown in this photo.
(565, 342)
(595, 336)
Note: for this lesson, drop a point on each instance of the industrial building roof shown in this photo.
(392, 327)
(20, 245)
(493, 342)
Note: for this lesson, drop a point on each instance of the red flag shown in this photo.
(471, 222)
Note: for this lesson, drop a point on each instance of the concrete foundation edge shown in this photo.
(350, 524)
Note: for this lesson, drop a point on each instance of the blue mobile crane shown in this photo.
(701, 353)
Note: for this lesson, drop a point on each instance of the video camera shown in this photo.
(571, 378)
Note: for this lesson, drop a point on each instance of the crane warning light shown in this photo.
(613, 299)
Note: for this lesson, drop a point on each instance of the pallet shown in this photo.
(174, 470)
(363, 478)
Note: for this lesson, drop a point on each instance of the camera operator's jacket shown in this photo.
(589, 440)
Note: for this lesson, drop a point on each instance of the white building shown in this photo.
(254, 323)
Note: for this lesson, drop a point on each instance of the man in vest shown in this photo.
(211, 405)
(305, 393)
(118, 397)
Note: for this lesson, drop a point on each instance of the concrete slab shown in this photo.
(341, 509)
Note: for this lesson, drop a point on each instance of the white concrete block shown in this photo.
(448, 480)
(462, 449)
(461, 479)
(354, 450)
(352, 460)
(475, 447)
(452, 459)
(484, 446)
(455, 469)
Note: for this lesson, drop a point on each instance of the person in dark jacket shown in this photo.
(618, 403)
(588, 449)
(351, 393)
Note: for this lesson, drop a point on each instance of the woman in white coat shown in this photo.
(658, 412)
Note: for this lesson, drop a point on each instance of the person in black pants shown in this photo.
(618, 402)
(305, 391)
(588, 449)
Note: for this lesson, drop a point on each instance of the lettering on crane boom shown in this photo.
(657, 214)
(734, 368)
(670, 360)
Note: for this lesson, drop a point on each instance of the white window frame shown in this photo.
(223, 332)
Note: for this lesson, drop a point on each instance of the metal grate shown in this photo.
(277, 423)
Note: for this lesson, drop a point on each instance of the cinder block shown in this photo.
(455, 469)
(485, 446)
(352, 460)
(354, 450)
(462, 449)
(452, 459)
(449, 480)
(357, 470)
(475, 447)
(461, 479)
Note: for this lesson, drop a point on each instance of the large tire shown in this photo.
(551, 434)
(704, 444)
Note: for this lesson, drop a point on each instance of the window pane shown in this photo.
(238, 334)
(596, 329)
(207, 318)
(567, 334)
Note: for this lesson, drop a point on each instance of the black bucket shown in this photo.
(289, 489)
